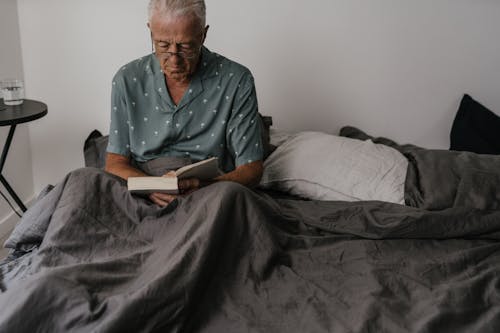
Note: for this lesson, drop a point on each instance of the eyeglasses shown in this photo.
(186, 50)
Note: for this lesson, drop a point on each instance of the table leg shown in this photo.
(2, 163)
(12, 193)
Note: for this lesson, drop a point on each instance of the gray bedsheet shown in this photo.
(227, 259)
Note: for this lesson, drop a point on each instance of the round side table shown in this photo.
(11, 115)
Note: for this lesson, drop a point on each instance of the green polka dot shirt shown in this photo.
(216, 117)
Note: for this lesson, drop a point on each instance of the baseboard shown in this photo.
(8, 223)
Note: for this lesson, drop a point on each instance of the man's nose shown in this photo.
(173, 52)
(173, 48)
(175, 58)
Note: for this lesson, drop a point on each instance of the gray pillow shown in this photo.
(319, 166)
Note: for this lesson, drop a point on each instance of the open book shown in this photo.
(203, 170)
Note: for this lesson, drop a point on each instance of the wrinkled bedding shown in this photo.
(89, 257)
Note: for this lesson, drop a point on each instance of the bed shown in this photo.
(89, 257)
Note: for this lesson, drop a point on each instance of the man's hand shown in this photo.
(162, 199)
(189, 185)
(186, 186)
(246, 174)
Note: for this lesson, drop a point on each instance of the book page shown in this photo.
(203, 170)
(145, 185)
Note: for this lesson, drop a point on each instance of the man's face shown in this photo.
(177, 42)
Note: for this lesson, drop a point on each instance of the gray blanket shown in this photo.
(228, 259)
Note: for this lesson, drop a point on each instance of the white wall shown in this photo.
(391, 67)
(71, 50)
(17, 170)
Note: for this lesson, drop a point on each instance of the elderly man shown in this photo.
(184, 101)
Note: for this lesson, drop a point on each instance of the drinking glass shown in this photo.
(12, 91)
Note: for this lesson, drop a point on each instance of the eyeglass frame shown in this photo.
(180, 54)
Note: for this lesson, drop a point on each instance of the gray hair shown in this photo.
(178, 8)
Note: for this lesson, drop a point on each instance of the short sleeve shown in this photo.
(244, 130)
(119, 127)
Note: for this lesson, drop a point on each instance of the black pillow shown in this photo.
(475, 129)
(94, 148)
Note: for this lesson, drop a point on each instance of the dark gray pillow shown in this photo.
(266, 123)
(94, 150)
(479, 189)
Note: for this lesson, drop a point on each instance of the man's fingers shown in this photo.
(157, 201)
(169, 174)
(186, 186)
(162, 199)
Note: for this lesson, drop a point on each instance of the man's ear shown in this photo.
(205, 31)
(150, 32)
(152, 43)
